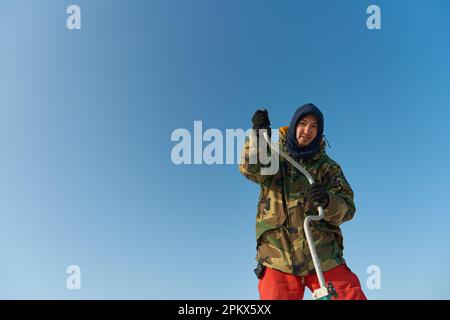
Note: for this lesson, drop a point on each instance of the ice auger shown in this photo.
(326, 291)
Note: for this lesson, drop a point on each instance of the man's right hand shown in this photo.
(261, 120)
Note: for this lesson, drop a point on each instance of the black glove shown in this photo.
(261, 119)
(317, 195)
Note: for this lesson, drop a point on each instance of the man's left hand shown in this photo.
(317, 195)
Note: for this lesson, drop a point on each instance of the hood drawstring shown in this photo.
(326, 141)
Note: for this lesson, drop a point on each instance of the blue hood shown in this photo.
(292, 145)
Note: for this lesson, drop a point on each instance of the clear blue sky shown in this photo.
(86, 118)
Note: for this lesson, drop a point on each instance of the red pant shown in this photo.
(277, 285)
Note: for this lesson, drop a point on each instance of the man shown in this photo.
(285, 265)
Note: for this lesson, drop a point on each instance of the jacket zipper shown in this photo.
(287, 221)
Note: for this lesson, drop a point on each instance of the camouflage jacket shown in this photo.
(282, 208)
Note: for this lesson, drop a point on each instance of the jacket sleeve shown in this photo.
(341, 207)
(252, 171)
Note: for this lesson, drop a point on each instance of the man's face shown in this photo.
(306, 130)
